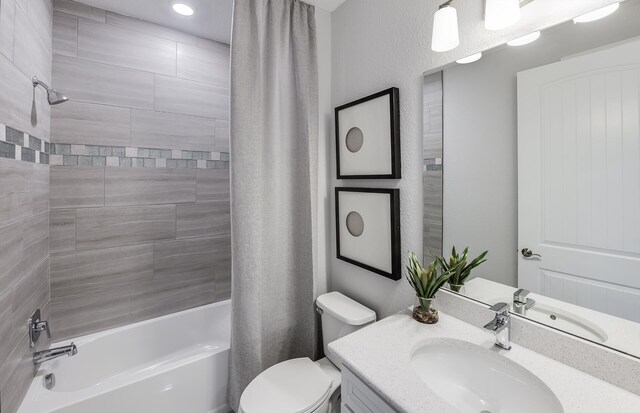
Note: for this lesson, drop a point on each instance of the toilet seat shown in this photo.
(293, 386)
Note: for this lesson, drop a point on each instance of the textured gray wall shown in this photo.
(25, 50)
(139, 171)
(377, 44)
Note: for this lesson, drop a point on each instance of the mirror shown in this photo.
(532, 153)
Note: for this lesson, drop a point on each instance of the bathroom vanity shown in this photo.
(411, 367)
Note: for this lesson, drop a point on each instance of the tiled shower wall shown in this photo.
(25, 51)
(139, 171)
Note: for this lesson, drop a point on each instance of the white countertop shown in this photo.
(380, 355)
(623, 335)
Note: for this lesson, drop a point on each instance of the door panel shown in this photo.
(579, 179)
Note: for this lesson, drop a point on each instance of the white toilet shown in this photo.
(301, 385)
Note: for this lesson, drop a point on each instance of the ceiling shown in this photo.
(328, 5)
(211, 18)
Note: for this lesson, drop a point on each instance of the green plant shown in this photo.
(425, 281)
(457, 265)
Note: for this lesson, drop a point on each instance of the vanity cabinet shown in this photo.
(357, 397)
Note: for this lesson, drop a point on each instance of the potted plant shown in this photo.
(425, 282)
(457, 265)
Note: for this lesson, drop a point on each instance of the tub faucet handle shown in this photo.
(43, 326)
(35, 326)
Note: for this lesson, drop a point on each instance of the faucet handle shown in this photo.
(500, 308)
(500, 325)
(43, 326)
(35, 326)
(521, 295)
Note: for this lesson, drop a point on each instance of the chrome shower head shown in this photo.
(53, 96)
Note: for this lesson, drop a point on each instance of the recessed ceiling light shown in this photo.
(470, 59)
(597, 14)
(182, 9)
(526, 39)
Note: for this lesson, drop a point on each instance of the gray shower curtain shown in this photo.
(274, 128)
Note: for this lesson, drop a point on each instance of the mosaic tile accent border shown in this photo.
(22, 146)
(126, 157)
(433, 164)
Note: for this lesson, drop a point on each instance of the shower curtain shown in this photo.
(274, 128)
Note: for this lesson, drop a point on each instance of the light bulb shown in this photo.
(500, 14)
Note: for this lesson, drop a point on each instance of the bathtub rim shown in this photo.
(87, 338)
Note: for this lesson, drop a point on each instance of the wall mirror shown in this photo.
(532, 152)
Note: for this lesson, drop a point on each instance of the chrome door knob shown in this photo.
(527, 253)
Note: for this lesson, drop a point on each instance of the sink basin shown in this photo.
(478, 380)
(561, 319)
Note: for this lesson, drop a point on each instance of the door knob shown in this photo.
(527, 253)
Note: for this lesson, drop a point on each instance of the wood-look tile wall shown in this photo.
(137, 84)
(25, 51)
(432, 167)
(24, 270)
(128, 244)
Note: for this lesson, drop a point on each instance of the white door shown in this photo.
(579, 180)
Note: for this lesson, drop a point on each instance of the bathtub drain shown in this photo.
(49, 381)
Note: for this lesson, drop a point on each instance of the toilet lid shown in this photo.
(293, 386)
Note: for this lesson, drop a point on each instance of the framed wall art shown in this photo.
(368, 229)
(368, 137)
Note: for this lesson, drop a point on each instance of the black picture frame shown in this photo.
(394, 116)
(394, 222)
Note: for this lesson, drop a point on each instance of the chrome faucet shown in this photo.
(501, 325)
(521, 303)
(54, 353)
(35, 326)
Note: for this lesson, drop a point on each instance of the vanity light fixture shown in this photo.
(469, 59)
(500, 14)
(597, 14)
(183, 9)
(526, 39)
(445, 28)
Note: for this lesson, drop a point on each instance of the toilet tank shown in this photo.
(341, 316)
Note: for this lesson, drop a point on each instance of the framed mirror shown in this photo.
(532, 153)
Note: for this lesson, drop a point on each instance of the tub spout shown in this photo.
(53, 353)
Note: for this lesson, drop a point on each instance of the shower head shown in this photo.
(53, 96)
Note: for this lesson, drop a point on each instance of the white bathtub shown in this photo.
(171, 364)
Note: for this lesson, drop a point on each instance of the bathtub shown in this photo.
(171, 364)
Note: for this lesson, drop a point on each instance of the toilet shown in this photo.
(302, 385)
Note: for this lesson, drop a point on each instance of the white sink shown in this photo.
(475, 379)
(561, 319)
